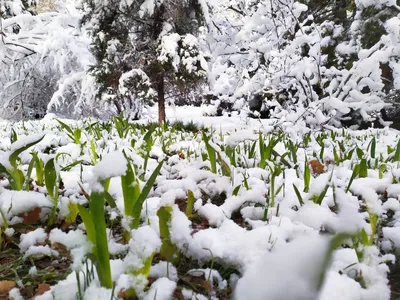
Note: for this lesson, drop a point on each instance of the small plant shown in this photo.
(189, 204)
(51, 181)
(212, 156)
(134, 197)
(10, 169)
(307, 175)
(73, 134)
(168, 251)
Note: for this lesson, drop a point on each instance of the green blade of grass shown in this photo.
(190, 202)
(89, 225)
(363, 172)
(130, 189)
(29, 174)
(168, 250)
(397, 153)
(102, 254)
(356, 171)
(137, 208)
(296, 190)
(16, 152)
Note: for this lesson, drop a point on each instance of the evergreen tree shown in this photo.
(144, 50)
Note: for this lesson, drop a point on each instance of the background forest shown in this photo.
(320, 62)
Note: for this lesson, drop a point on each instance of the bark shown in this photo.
(161, 100)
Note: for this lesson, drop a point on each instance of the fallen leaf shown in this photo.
(6, 285)
(31, 216)
(84, 192)
(42, 288)
(317, 167)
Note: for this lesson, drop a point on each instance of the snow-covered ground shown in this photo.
(280, 211)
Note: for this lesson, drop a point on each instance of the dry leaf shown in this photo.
(317, 167)
(6, 285)
(31, 216)
(42, 288)
(84, 192)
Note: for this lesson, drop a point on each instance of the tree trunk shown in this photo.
(161, 100)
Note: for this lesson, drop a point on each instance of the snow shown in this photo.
(164, 269)
(295, 265)
(290, 242)
(161, 289)
(13, 203)
(72, 239)
(32, 238)
(40, 251)
(112, 164)
(393, 234)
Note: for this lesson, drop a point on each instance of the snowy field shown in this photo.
(238, 209)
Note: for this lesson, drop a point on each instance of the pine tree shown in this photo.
(144, 50)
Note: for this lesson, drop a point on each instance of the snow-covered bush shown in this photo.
(316, 59)
(43, 66)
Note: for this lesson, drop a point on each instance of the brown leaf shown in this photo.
(6, 285)
(31, 216)
(58, 247)
(317, 167)
(84, 192)
(42, 288)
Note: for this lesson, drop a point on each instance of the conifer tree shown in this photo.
(144, 50)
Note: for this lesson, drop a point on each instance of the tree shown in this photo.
(144, 50)
(43, 63)
(12, 8)
(316, 59)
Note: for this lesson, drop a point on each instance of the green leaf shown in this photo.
(322, 195)
(110, 200)
(335, 242)
(226, 170)
(252, 151)
(130, 189)
(90, 229)
(363, 172)
(360, 153)
(307, 175)
(212, 156)
(373, 147)
(336, 156)
(66, 127)
(382, 169)
(137, 208)
(5, 222)
(236, 190)
(16, 152)
(14, 136)
(95, 157)
(296, 190)
(9, 177)
(51, 182)
(102, 255)
(168, 250)
(72, 212)
(39, 167)
(397, 153)
(29, 174)
(356, 171)
(73, 164)
(77, 135)
(51, 178)
(190, 202)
